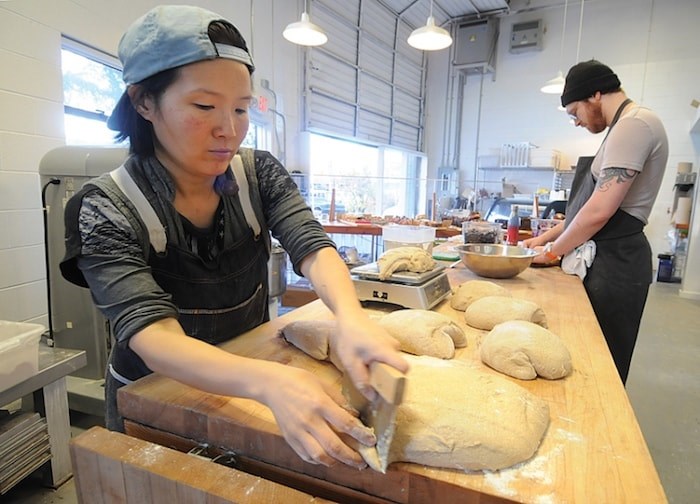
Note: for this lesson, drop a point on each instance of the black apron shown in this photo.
(216, 302)
(617, 282)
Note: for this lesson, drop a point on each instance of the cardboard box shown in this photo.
(19, 352)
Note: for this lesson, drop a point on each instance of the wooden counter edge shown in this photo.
(132, 470)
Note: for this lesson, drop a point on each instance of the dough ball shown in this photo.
(456, 416)
(487, 312)
(424, 332)
(525, 350)
(310, 336)
(468, 292)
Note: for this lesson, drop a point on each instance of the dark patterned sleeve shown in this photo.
(114, 266)
(288, 216)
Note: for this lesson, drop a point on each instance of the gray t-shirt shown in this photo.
(637, 142)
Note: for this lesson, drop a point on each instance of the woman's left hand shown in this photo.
(358, 343)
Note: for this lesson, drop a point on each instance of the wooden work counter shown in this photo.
(342, 227)
(593, 450)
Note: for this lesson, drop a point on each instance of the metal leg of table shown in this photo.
(51, 402)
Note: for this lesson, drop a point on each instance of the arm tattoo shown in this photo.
(614, 175)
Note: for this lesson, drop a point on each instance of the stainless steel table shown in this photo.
(50, 397)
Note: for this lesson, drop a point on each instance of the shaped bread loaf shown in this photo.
(424, 332)
(468, 292)
(313, 338)
(525, 350)
(487, 312)
(413, 259)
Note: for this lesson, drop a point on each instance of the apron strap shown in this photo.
(156, 231)
(244, 194)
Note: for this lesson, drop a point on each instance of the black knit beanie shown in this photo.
(585, 79)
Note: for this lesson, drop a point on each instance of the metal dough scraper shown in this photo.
(379, 414)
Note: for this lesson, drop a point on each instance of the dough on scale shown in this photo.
(487, 312)
(468, 292)
(525, 350)
(413, 259)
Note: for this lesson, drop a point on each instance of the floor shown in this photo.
(663, 387)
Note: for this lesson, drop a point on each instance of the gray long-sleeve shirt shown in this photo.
(107, 246)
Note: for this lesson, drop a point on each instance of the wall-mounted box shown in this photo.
(526, 36)
(475, 41)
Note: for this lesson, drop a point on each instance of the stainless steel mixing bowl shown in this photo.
(495, 261)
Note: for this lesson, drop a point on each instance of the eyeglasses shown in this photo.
(573, 114)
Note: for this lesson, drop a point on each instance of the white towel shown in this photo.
(579, 260)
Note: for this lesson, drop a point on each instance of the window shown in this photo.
(377, 180)
(92, 85)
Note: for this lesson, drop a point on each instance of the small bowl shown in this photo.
(495, 261)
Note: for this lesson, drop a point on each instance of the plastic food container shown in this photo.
(399, 235)
(482, 232)
(19, 352)
(540, 226)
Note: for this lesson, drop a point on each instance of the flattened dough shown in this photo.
(424, 332)
(525, 350)
(487, 312)
(468, 292)
(457, 416)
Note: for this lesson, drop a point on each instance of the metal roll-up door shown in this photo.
(366, 82)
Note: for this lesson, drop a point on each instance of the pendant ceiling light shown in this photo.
(556, 85)
(304, 32)
(430, 37)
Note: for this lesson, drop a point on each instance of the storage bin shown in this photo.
(19, 352)
(665, 271)
(399, 235)
(540, 226)
(482, 232)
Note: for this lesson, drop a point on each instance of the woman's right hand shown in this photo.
(531, 243)
(310, 415)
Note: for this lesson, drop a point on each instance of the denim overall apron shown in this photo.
(216, 301)
(617, 282)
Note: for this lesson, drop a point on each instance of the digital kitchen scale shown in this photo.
(403, 288)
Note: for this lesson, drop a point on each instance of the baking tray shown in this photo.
(371, 272)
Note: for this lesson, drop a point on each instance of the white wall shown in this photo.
(31, 105)
(653, 47)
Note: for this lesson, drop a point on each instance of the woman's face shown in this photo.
(201, 118)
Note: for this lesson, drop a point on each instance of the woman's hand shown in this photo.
(541, 258)
(533, 243)
(310, 415)
(361, 341)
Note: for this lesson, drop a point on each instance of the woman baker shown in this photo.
(174, 244)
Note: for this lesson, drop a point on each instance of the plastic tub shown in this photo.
(19, 352)
(540, 226)
(399, 235)
(482, 232)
